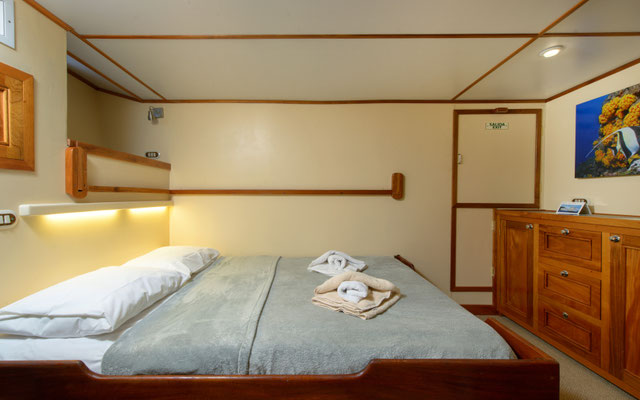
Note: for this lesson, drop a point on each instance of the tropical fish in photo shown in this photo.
(628, 143)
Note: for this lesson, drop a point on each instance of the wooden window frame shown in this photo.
(16, 124)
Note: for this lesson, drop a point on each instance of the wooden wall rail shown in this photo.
(76, 178)
(124, 189)
(76, 169)
(396, 191)
(118, 155)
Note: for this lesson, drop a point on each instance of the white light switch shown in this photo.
(7, 219)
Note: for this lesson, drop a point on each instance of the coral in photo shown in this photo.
(616, 149)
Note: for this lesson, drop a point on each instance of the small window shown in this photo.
(7, 24)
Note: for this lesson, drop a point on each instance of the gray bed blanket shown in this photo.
(207, 327)
(271, 326)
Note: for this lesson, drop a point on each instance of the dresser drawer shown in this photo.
(575, 333)
(577, 247)
(578, 291)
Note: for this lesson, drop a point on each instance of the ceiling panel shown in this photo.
(117, 17)
(309, 69)
(603, 16)
(529, 75)
(92, 77)
(96, 60)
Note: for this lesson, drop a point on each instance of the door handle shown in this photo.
(564, 273)
(529, 226)
(565, 231)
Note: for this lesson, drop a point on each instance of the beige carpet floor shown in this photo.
(576, 382)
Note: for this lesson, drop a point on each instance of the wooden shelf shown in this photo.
(76, 179)
(60, 208)
(118, 155)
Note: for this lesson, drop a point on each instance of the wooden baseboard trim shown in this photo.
(481, 309)
(454, 288)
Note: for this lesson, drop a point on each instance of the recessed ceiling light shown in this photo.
(551, 51)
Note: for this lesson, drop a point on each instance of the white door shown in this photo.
(496, 165)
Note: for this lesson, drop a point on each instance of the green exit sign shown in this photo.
(492, 126)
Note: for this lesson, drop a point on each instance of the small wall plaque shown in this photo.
(16, 119)
(496, 126)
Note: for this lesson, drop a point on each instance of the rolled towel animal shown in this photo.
(381, 295)
(353, 291)
(331, 263)
(337, 261)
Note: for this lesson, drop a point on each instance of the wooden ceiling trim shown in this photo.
(81, 61)
(597, 78)
(376, 101)
(591, 34)
(98, 88)
(510, 56)
(124, 96)
(49, 15)
(321, 36)
(105, 55)
(360, 36)
(310, 102)
(70, 29)
(82, 79)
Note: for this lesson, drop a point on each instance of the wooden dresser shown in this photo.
(574, 281)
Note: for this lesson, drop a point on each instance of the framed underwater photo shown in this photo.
(608, 135)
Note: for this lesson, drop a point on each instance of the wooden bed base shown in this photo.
(534, 375)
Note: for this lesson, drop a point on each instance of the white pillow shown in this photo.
(185, 259)
(90, 304)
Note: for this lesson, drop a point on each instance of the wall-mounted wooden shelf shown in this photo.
(76, 179)
(118, 155)
(62, 208)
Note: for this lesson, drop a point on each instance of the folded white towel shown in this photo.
(353, 291)
(335, 262)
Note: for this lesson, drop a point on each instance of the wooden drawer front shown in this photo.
(575, 246)
(575, 333)
(568, 287)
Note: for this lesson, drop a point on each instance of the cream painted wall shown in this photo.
(109, 121)
(332, 146)
(41, 251)
(616, 195)
(128, 129)
(306, 146)
(83, 113)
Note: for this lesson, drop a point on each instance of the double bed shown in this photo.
(245, 328)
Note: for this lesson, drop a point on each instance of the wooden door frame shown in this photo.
(454, 187)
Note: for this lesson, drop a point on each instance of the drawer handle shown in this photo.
(564, 273)
(565, 315)
(565, 231)
(529, 226)
(614, 238)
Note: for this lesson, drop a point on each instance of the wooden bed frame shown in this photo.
(534, 375)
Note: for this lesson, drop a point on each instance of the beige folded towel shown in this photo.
(382, 295)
